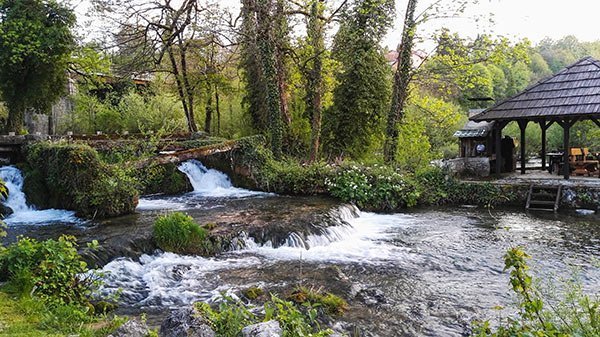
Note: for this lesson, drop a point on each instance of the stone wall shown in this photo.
(468, 166)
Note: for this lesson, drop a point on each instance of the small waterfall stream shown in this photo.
(24, 213)
(207, 183)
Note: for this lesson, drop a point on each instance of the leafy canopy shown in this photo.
(35, 45)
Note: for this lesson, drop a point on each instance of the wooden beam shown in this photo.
(566, 134)
(523, 127)
(544, 127)
(499, 126)
(595, 120)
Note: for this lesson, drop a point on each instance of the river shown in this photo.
(427, 272)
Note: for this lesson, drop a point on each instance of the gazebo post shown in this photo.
(543, 154)
(523, 127)
(566, 124)
(498, 146)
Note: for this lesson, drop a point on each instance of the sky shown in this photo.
(532, 19)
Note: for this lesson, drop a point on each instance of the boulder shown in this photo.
(185, 323)
(5, 211)
(264, 329)
(132, 328)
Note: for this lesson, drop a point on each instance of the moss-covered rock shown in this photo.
(72, 176)
(166, 179)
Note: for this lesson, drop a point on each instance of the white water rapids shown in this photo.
(168, 279)
(24, 213)
(207, 183)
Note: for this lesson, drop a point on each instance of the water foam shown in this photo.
(207, 184)
(212, 183)
(24, 213)
(364, 240)
(167, 279)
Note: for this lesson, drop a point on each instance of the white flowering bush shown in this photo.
(373, 187)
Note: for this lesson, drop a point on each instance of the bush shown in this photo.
(576, 314)
(178, 233)
(231, 316)
(51, 270)
(331, 304)
(74, 177)
(380, 188)
(165, 179)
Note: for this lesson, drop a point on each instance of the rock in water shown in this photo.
(5, 211)
(185, 323)
(132, 328)
(264, 329)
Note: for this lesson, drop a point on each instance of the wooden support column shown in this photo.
(566, 134)
(523, 127)
(543, 154)
(499, 126)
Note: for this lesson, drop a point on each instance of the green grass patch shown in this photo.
(179, 233)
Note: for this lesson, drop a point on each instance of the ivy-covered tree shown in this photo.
(361, 98)
(35, 45)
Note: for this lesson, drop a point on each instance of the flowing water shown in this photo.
(24, 213)
(422, 273)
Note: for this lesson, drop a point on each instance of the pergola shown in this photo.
(567, 97)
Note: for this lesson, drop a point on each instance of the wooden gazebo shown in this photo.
(567, 97)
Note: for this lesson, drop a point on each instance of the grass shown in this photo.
(27, 317)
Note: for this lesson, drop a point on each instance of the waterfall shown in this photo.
(13, 179)
(212, 183)
(23, 213)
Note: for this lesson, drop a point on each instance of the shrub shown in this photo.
(576, 314)
(377, 187)
(232, 315)
(74, 177)
(51, 270)
(165, 179)
(178, 233)
(331, 304)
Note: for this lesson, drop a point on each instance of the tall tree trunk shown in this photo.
(266, 46)
(315, 76)
(281, 37)
(187, 87)
(180, 88)
(254, 80)
(218, 109)
(402, 79)
(16, 115)
(209, 111)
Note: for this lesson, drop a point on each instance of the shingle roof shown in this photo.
(474, 130)
(573, 91)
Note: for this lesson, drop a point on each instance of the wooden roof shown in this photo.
(572, 92)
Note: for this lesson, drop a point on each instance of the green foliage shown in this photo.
(231, 316)
(35, 45)
(377, 187)
(436, 187)
(576, 314)
(361, 99)
(165, 179)
(75, 178)
(177, 232)
(132, 112)
(26, 316)
(253, 293)
(331, 304)
(50, 270)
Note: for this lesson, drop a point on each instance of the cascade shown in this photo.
(24, 213)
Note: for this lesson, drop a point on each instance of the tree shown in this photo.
(35, 45)
(314, 75)
(402, 79)
(364, 80)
